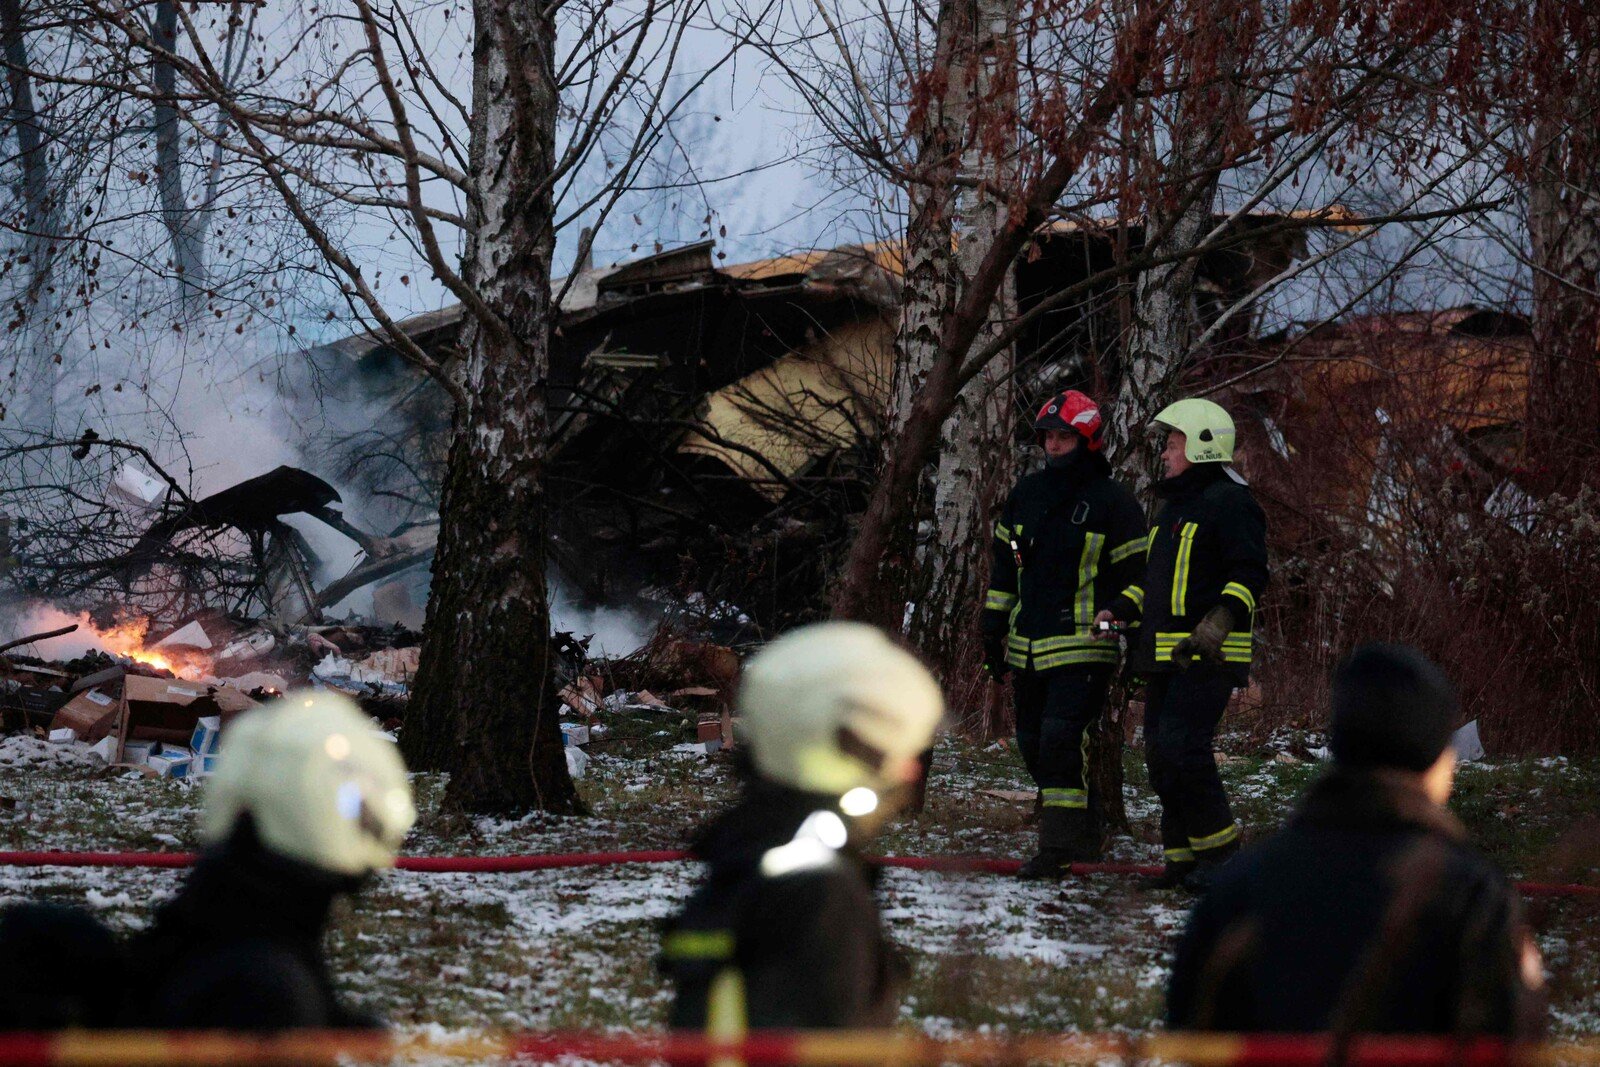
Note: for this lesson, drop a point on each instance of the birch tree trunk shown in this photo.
(934, 587)
(183, 224)
(482, 707)
(40, 221)
(927, 287)
(976, 460)
(1563, 404)
(1156, 350)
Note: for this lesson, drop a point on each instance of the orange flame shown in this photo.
(127, 639)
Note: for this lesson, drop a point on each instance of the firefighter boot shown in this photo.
(1207, 864)
(1171, 877)
(1066, 836)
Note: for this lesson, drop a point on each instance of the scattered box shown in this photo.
(171, 762)
(203, 766)
(63, 735)
(207, 731)
(105, 748)
(574, 734)
(139, 752)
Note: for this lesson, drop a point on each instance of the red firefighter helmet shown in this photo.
(1074, 412)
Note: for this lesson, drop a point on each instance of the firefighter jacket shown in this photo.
(1068, 541)
(241, 946)
(784, 933)
(1368, 913)
(1207, 548)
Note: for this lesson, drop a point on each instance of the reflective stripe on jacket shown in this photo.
(1208, 547)
(1068, 540)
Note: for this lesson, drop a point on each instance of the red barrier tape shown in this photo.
(541, 862)
(773, 1048)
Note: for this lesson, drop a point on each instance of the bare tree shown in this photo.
(1563, 224)
(38, 220)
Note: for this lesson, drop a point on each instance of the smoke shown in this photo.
(617, 630)
(23, 620)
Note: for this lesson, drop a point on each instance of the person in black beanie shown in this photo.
(1369, 912)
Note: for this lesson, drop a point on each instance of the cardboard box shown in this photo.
(207, 731)
(203, 766)
(171, 762)
(574, 734)
(63, 735)
(90, 715)
(139, 752)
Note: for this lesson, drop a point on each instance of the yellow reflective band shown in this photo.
(1178, 855)
(999, 600)
(1135, 593)
(727, 1017)
(1235, 589)
(1065, 798)
(1016, 659)
(1132, 548)
(1076, 657)
(1088, 567)
(698, 944)
(1065, 641)
(1002, 533)
(1180, 570)
(1017, 642)
(1216, 840)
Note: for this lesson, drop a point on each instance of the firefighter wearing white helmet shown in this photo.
(784, 932)
(308, 801)
(1205, 571)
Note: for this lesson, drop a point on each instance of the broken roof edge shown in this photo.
(870, 266)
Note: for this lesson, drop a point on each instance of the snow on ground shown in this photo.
(576, 947)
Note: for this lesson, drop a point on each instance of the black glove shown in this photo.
(994, 656)
(1206, 641)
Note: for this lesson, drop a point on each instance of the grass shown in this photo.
(576, 948)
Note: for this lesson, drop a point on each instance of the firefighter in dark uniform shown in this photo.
(1069, 539)
(1369, 912)
(784, 932)
(309, 800)
(1205, 570)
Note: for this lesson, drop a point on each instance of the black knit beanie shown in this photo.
(1392, 707)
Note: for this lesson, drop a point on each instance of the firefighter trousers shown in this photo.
(1055, 711)
(1181, 713)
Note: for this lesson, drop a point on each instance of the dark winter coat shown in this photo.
(1207, 548)
(1068, 541)
(1369, 913)
(798, 949)
(240, 946)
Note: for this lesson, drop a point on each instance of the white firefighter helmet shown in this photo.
(321, 783)
(1207, 429)
(835, 707)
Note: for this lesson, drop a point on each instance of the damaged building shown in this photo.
(698, 407)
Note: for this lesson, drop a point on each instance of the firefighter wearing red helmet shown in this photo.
(1069, 539)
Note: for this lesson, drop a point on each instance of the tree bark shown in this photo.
(887, 525)
(183, 224)
(483, 707)
(976, 460)
(1563, 402)
(41, 224)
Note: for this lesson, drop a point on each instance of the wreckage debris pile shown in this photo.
(158, 701)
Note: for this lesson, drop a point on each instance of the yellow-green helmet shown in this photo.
(1208, 429)
(321, 783)
(831, 707)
